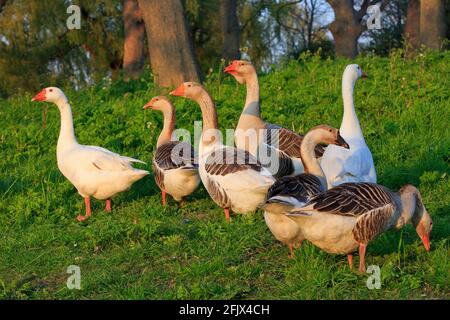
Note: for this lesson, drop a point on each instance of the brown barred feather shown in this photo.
(230, 160)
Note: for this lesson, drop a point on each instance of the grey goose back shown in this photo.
(351, 215)
(174, 162)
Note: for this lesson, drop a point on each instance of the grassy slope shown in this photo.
(143, 250)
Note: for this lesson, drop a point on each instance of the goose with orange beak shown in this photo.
(349, 216)
(233, 178)
(174, 162)
(259, 137)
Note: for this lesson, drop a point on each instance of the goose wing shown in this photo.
(174, 155)
(301, 188)
(97, 158)
(287, 141)
(371, 204)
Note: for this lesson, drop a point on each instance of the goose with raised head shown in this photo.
(349, 216)
(289, 192)
(174, 162)
(253, 133)
(94, 171)
(354, 164)
(233, 178)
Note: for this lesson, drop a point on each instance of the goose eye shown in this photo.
(189, 85)
(51, 90)
(330, 130)
(156, 99)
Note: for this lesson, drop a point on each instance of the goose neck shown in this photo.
(66, 133)
(168, 127)
(210, 132)
(307, 154)
(350, 126)
(252, 106)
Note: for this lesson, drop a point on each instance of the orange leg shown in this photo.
(164, 198)
(108, 205)
(227, 214)
(291, 251)
(350, 261)
(362, 257)
(87, 203)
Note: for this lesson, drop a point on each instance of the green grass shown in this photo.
(144, 251)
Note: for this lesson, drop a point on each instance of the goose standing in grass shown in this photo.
(94, 171)
(351, 215)
(253, 133)
(233, 178)
(174, 161)
(354, 164)
(289, 192)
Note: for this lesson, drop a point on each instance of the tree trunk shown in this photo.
(411, 31)
(133, 49)
(345, 28)
(170, 46)
(432, 23)
(230, 29)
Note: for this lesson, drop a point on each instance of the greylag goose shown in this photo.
(174, 165)
(233, 178)
(265, 141)
(351, 215)
(289, 192)
(94, 171)
(354, 164)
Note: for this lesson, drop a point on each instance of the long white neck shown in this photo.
(169, 125)
(66, 133)
(350, 127)
(307, 153)
(252, 106)
(210, 133)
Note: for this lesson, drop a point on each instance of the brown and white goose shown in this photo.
(174, 161)
(233, 178)
(289, 192)
(351, 215)
(261, 138)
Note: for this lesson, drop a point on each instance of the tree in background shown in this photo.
(412, 26)
(348, 24)
(134, 40)
(36, 47)
(230, 29)
(170, 47)
(432, 23)
(391, 35)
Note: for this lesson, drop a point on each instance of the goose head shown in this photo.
(160, 103)
(189, 90)
(421, 219)
(241, 70)
(329, 135)
(355, 72)
(50, 94)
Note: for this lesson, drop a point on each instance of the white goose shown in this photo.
(233, 178)
(94, 171)
(289, 192)
(253, 133)
(354, 164)
(351, 215)
(174, 161)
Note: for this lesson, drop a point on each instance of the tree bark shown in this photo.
(230, 29)
(411, 31)
(134, 48)
(2, 4)
(345, 28)
(432, 23)
(170, 46)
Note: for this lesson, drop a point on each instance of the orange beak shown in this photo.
(179, 92)
(148, 105)
(232, 68)
(426, 241)
(40, 96)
